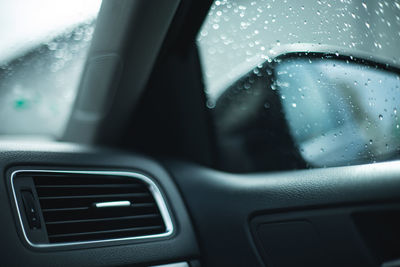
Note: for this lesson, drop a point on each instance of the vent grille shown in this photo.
(68, 204)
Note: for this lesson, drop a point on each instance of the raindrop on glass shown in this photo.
(364, 5)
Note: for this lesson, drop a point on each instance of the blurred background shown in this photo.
(239, 34)
(43, 49)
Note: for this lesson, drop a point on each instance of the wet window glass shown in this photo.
(340, 112)
(336, 104)
(42, 54)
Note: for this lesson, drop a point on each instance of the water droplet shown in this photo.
(370, 141)
(210, 104)
(322, 149)
(395, 111)
(380, 117)
(204, 33)
(294, 105)
(364, 5)
(367, 24)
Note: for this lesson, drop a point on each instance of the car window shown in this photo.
(341, 111)
(42, 54)
(239, 38)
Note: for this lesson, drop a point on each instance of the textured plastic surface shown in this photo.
(222, 204)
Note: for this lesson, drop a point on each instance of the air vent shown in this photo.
(97, 206)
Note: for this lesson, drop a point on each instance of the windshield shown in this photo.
(42, 54)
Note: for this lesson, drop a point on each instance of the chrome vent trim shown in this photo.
(155, 191)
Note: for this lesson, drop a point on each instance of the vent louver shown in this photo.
(84, 207)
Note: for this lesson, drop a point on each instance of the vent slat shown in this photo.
(65, 209)
(133, 229)
(96, 196)
(75, 179)
(136, 205)
(91, 186)
(88, 202)
(92, 213)
(78, 190)
(101, 226)
(147, 216)
(67, 203)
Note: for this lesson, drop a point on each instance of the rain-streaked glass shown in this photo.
(42, 54)
(340, 112)
(329, 123)
(237, 35)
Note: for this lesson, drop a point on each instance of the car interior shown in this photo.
(294, 163)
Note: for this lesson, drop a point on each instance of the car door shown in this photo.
(300, 156)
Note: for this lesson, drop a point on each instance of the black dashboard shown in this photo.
(179, 245)
(180, 214)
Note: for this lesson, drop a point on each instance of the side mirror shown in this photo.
(320, 109)
(339, 109)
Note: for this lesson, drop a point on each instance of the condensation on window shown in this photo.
(42, 54)
(239, 34)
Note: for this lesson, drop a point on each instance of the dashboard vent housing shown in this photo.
(83, 207)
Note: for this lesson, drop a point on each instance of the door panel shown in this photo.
(286, 218)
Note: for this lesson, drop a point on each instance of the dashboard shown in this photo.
(49, 171)
(66, 204)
